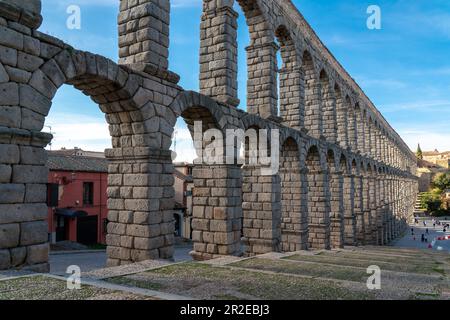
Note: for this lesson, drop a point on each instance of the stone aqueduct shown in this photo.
(346, 177)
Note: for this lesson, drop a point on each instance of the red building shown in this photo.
(77, 198)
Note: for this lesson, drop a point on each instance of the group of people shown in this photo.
(424, 238)
(445, 226)
(436, 223)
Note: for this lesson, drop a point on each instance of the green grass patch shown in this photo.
(43, 288)
(305, 269)
(207, 282)
(399, 265)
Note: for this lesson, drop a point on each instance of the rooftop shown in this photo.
(63, 162)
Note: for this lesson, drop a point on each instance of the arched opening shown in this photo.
(329, 108)
(77, 182)
(318, 202)
(113, 89)
(262, 96)
(293, 219)
(313, 107)
(216, 193)
(336, 201)
(291, 112)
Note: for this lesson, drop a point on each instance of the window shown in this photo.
(88, 193)
(52, 194)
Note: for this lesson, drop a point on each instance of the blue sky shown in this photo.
(403, 68)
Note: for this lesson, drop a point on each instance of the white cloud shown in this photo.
(72, 130)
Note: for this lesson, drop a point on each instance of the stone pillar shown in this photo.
(262, 97)
(366, 208)
(23, 196)
(140, 207)
(378, 145)
(360, 131)
(349, 211)
(337, 209)
(144, 33)
(329, 112)
(291, 96)
(367, 138)
(261, 211)
(218, 52)
(390, 199)
(352, 130)
(341, 121)
(23, 171)
(380, 210)
(359, 212)
(319, 209)
(373, 208)
(217, 211)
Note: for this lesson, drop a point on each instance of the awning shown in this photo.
(69, 213)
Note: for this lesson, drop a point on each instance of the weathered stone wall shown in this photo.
(346, 177)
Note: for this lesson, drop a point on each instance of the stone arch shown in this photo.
(217, 211)
(318, 202)
(329, 115)
(112, 87)
(313, 108)
(291, 112)
(122, 97)
(293, 216)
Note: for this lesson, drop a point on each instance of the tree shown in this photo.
(442, 181)
(419, 153)
(430, 201)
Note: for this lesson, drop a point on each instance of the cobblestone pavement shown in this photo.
(90, 261)
(414, 241)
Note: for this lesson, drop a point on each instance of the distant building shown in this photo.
(77, 196)
(183, 199)
(440, 159)
(433, 162)
(78, 152)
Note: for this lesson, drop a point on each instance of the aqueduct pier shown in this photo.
(346, 177)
